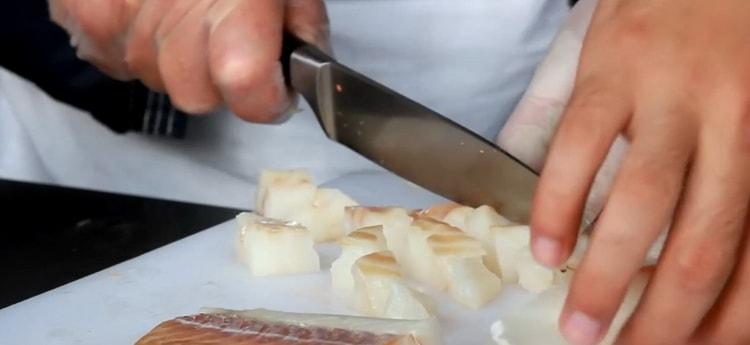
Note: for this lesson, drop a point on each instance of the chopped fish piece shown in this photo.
(534, 277)
(477, 222)
(469, 281)
(421, 263)
(510, 242)
(517, 264)
(285, 194)
(353, 246)
(395, 222)
(446, 258)
(379, 289)
(268, 246)
(291, 195)
(328, 207)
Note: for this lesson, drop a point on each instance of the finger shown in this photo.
(97, 29)
(183, 62)
(643, 197)
(58, 12)
(701, 247)
(529, 129)
(245, 45)
(141, 47)
(594, 116)
(727, 322)
(307, 19)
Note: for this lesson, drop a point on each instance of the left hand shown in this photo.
(673, 77)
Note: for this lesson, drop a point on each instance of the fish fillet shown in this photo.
(260, 326)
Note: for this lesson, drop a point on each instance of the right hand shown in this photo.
(202, 53)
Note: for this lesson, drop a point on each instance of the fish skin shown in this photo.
(228, 329)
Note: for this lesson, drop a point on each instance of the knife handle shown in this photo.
(289, 44)
(302, 64)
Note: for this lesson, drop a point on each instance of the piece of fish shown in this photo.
(271, 247)
(259, 326)
(380, 291)
(355, 245)
(291, 195)
(395, 222)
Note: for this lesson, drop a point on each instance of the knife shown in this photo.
(406, 137)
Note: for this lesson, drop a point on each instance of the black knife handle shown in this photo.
(289, 44)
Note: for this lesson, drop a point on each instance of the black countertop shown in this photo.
(53, 235)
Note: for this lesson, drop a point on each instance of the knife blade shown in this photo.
(408, 138)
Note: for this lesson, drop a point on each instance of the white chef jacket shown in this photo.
(469, 60)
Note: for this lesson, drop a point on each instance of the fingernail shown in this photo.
(581, 329)
(547, 251)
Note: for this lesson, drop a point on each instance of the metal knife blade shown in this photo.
(409, 139)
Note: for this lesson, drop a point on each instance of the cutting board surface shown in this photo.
(120, 304)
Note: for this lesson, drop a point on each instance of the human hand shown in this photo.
(202, 53)
(672, 77)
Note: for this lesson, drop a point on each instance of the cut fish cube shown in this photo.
(395, 222)
(481, 219)
(510, 243)
(353, 246)
(270, 247)
(533, 276)
(328, 209)
(475, 222)
(440, 211)
(517, 264)
(420, 262)
(285, 195)
(468, 280)
(291, 195)
(458, 216)
(444, 257)
(478, 225)
(380, 291)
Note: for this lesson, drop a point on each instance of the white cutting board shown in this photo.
(123, 302)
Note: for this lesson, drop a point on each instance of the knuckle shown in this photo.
(241, 75)
(633, 28)
(590, 112)
(99, 27)
(612, 239)
(700, 271)
(591, 96)
(135, 61)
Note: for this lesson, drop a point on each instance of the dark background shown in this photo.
(53, 235)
